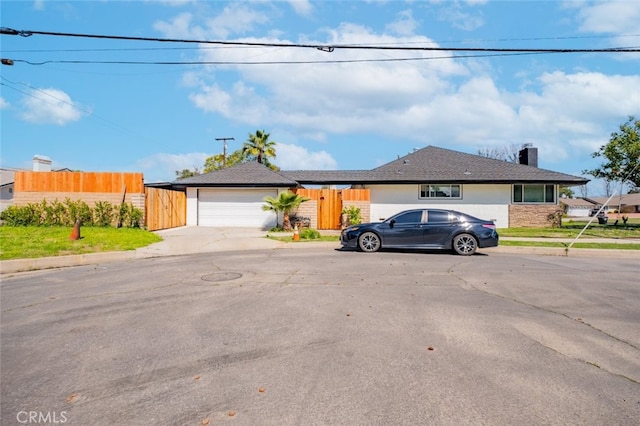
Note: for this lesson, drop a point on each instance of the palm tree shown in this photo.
(285, 203)
(259, 147)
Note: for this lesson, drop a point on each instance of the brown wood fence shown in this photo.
(165, 208)
(330, 201)
(105, 182)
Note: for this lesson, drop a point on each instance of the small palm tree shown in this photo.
(259, 147)
(285, 203)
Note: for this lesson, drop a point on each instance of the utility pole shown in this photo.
(224, 152)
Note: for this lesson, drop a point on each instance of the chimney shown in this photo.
(41, 163)
(528, 155)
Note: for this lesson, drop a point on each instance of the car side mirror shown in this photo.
(391, 223)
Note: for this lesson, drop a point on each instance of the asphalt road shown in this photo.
(320, 336)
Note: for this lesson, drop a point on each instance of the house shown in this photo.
(511, 194)
(623, 203)
(578, 207)
(7, 179)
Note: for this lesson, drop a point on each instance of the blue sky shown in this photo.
(158, 119)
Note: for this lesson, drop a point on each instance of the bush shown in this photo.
(309, 234)
(353, 213)
(65, 214)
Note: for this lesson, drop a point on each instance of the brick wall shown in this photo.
(309, 209)
(364, 206)
(533, 215)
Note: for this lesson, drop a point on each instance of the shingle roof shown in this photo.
(433, 164)
(245, 174)
(430, 164)
(622, 200)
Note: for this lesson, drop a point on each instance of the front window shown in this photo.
(440, 191)
(543, 194)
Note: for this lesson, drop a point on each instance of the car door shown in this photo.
(405, 230)
(438, 228)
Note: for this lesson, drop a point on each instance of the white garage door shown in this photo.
(235, 207)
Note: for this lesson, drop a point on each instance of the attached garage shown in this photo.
(235, 207)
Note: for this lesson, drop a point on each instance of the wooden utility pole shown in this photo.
(224, 151)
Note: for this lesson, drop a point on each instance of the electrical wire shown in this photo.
(324, 48)
(344, 61)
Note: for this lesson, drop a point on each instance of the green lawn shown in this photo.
(572, 229)
(42, 241)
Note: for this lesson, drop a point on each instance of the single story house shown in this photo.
(511, 194)
(578, 207)
(623, 203)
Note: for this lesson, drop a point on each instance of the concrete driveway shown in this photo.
(321, 336)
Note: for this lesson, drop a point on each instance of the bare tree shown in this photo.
(509, 153)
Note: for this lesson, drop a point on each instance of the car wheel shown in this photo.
(369, 242)
(465, 244)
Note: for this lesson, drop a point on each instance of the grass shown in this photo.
(42, 241)
(583, 245)
(572, 229)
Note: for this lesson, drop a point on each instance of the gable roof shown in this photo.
(251, 174)
(427, 165)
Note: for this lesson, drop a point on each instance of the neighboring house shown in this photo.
(6, 187)
(511, 194)
(7, 179)
(625, 203)
(578, 207)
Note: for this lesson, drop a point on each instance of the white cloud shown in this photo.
(442, 101)
(4, 104)
(50, 106)
(235, 18)
(162, 167)
(301, 7)
(613, 17)
(405, 24)
(453, 13)
(294, 157)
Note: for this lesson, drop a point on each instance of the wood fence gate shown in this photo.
(165, 208)
(330, 202)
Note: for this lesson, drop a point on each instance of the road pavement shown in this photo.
(313, 335)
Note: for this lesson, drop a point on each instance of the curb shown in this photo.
(27, 265)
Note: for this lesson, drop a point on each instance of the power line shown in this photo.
(324, 48)
(337, 61)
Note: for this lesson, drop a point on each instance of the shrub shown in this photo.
(66, 214)
(309, 234)
(353, 213)
(18, 216)
(103, 213)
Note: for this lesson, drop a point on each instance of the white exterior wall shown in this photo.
(481, 200)
(192, 206)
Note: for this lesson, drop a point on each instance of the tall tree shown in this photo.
(622, 156)
(217, 162)
(259, 147)
(185, 173)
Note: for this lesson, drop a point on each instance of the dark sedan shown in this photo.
(430, 229)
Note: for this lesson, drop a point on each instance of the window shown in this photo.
(410, 217)
(534, 194)
(440, 191)
(438, 216)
